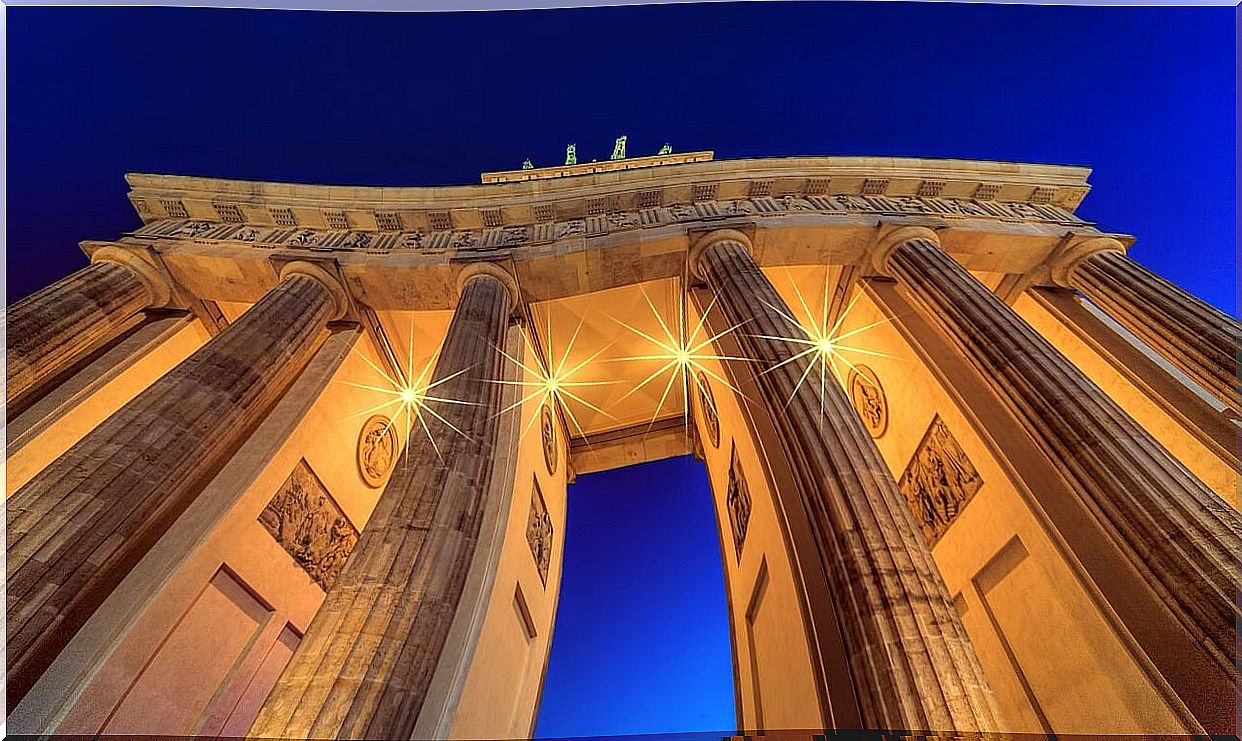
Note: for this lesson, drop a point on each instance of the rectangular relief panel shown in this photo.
(539, 532)
(309, 524)
(737, 498)
(939, 480)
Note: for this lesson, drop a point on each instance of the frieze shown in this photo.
(939, 480)
(308, 523)
(517, 235)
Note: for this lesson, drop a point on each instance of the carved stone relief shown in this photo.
(939, 480)
(539, 532)
(309, 524)
(869, 399)
(443, 237)
(737, 501)
(377, 449)
(707, 402)
(547, 431)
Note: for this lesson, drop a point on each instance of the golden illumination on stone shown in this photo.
(553, 382)
(409, 395)
(683, 353)
(825, 344)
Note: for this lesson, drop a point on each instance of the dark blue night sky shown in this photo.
(641, 641)
(1145, 96)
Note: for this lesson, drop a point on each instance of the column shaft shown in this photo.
(1204, 419)
(1175, 532)
(50, 330)
(77, 528)
(364, 668)
(912, 665)
(1200, 340)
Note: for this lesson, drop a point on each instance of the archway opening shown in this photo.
(641, 640)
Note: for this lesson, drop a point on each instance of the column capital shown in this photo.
(153, 276)
(700, 244)
(329, 281)
(1073, 254)
(892, 239)
(475, 269)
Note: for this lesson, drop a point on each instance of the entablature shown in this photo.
(901, 185)
(216, 261)
(483, 240)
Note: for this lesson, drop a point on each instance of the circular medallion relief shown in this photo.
(867, 396)
(377, 449)
(711, 420)
(547, 429)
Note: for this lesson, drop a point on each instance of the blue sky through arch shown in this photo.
(641, 641)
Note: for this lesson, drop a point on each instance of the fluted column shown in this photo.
(1199, 339)
(53, 328)
(912, 665)
(77, 528)
(1173, 530)
(364, 668)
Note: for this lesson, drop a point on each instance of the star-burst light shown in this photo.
(683, 352)
(409, 396)
(825, 345)
(552, 382)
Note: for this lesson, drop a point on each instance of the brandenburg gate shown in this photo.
(290, 461)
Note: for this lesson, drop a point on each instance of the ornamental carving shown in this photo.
(357, 241)
(377, 449)
(514, 235)
(309, 524)
(620, 220)
(575, 228)
(737, 501)
(442, 237)
(539, 533)
(547, 431)
(939, 480)
(867, 396)
(466, 241)
(707, 402)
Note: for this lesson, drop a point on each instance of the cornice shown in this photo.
(496, 205)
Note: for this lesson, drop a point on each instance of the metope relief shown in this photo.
(377, 449)
(707, 402)
(737, 501)
(308, 523)
(539, 533)
(939, 480)
(867, 396)
(442, 236)
(547, 431)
